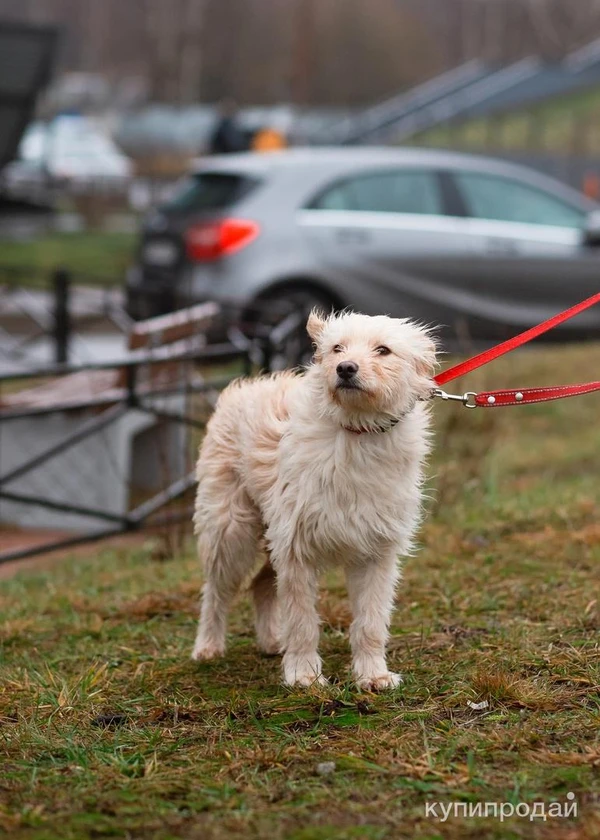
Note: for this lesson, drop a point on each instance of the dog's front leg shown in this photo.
(297, 593)
(371, 589)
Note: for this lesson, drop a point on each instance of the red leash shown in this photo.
(523, 396)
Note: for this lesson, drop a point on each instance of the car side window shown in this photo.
(502, 199)
(395, 191)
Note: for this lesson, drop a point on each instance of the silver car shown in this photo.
(481, 247)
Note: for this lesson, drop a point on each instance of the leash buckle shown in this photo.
(467, 399)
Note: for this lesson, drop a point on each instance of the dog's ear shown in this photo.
(426, 358)
(315, 325)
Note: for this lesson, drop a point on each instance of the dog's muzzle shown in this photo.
(346, 372)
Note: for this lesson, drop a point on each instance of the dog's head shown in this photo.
(368, 366)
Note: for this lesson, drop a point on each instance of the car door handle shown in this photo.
(502, 247)
(352, 236)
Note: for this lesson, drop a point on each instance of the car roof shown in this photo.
(339, 161)
(301, 157)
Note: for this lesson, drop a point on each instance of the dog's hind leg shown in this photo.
(228, 545)
(266, 606)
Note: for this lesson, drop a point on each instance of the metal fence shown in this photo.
(107, 446)
(53, 308)
(63, 447)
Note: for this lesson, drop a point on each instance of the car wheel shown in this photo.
(283, 315)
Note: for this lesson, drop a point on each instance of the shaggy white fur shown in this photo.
(316, 470)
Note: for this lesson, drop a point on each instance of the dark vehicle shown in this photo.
(481, 247)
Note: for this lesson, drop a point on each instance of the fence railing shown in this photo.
(79, 442)
(53, 307)
(53, 443)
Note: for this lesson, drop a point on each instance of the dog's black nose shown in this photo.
(346, 370)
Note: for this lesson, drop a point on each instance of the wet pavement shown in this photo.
(99, 327)
(18, 351)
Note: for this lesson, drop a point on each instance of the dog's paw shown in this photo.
(305, 680)
(302, 669)
(380, 683)
(207, 650)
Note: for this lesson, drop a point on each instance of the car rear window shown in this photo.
(209, 191)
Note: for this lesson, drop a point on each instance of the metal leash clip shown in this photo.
(467, 399)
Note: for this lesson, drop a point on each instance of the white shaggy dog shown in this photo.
(316, 470)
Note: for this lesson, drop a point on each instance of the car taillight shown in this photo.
(212, 240)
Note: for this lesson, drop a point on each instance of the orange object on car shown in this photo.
(268, 140)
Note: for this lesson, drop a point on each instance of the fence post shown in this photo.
(61, 280)
(267, 354)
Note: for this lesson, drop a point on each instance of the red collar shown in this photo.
(379, 429)
(360, 431)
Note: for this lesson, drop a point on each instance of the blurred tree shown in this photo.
(302, 69)
(309, 51)
(192, 50)
(163, 26)
(560, 24)
(502, 31)
(364, 51)
(321, 52)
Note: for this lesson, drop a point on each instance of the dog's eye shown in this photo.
(338, 348)
(382, 350)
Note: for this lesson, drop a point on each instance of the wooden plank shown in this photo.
(76, 387)
(165, 329)
(166, 336)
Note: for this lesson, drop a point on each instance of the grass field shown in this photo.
(108, 730)
(99, 256)
(563, 125)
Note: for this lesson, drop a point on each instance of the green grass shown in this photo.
(501, 604)
(101, 256)
(564, 125)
